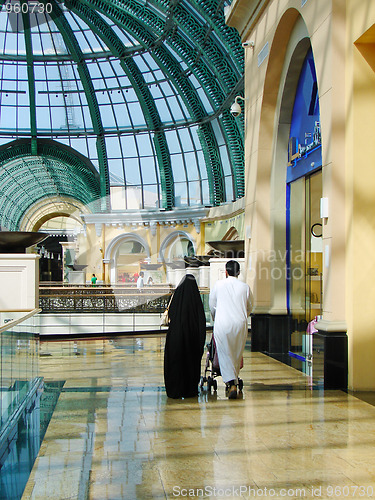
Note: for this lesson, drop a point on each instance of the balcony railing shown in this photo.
(106, 299)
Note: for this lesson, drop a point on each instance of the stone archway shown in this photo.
(112, 258)
(172, 238)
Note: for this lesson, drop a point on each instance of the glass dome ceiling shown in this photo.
(125, 101)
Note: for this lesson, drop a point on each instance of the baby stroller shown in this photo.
(212, 369)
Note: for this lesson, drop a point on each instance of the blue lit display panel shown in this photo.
(304, 151)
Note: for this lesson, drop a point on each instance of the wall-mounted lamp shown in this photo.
(324, 208)
(235, 109)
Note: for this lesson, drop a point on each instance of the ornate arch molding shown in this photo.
(116, 242)
(276, 64)
(169, 239)
(289, 47)
(48, 208)
(296, 50)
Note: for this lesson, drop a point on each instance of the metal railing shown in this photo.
(107, 299)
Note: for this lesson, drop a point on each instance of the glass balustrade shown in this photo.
(19, 347)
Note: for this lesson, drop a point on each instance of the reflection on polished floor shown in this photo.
(115, 435)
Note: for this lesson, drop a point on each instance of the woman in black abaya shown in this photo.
(185, 340)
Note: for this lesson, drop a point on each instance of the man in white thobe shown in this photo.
(230, 305)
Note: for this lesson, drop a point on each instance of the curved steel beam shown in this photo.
(151, 114)
(188, 93)
(30, 75)
(228, 35)
(162, 16)
(74, 48)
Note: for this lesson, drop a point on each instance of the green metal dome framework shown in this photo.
(140, 90)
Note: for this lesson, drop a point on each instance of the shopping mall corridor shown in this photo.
(114, 434)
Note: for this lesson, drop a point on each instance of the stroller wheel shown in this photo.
(210, 383)
(214, 384)
(240, 384)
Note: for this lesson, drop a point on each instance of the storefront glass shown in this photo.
(305, 265)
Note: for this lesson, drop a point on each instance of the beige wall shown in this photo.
(265, 154)
(343, 43)
(360, 189)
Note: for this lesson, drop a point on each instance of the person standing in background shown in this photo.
(140, 281)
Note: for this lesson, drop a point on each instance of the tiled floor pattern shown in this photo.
(116, 435)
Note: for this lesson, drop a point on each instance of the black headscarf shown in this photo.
(185, 340)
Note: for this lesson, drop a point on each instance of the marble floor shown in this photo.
(115, 435)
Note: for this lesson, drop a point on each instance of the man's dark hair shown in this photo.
(232, 267)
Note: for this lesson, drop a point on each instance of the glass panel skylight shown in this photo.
(83, 91)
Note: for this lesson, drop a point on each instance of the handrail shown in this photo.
(61, 284)
(14, 322)
(20, 381)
